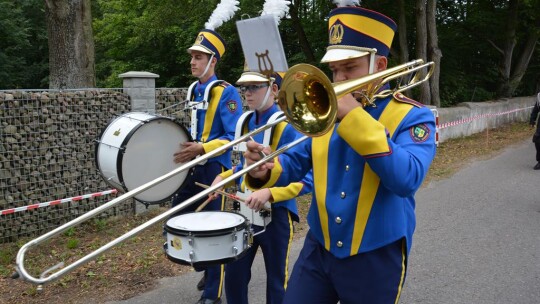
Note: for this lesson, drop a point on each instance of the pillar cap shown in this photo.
(137, 74)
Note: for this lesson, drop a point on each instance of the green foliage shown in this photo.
(70, 231)
(7, 256)
(100, 224)
(153, 35)
(72, 243)
(23, 44)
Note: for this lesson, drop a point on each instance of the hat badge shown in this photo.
(199, 39)
(336, 34)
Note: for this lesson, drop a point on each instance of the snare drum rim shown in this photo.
(209, 233)
(122, 147)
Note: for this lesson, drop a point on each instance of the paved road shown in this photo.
(477, 240)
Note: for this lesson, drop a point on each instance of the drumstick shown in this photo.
(208, 200)
(227, 194)
(261, 153)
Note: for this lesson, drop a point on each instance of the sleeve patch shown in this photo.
(232, 106)
(419, 133)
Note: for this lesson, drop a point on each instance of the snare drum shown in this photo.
(207, 238)
(136, 148)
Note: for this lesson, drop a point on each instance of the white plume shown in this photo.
(224, 11)
(341, 3)
(276, 8)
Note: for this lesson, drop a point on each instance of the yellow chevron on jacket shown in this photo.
(217, 91)
(391, 117)
(320, 173)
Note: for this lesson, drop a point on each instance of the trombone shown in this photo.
(309, 101)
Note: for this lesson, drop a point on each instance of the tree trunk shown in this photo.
(71, 44)
(505, 65)
(402, 33)
(302, 38)
(421, 47)
(435, 53)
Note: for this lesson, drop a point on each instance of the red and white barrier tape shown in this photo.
(469, 119)
(57, 202)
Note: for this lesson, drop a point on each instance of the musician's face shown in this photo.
(349, 68)
(355, 67)
(254, 93)
(198, 62)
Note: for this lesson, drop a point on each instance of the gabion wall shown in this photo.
(47, 153)
(47, 142)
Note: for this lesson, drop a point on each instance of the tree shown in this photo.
(402, 33)
(299, 29)
(23, 45)
(434, 53)
(71, 44)
(421, 47)
(512, 68)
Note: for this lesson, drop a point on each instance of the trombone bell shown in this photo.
(305, 100)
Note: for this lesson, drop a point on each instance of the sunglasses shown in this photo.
(252, 87)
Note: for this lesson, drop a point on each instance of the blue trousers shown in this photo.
(372, 277)
(203, 174)
(275, 245)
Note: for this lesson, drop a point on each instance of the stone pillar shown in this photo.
(141, 87)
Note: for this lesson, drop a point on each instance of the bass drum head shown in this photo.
(148, 154)
(205, 223)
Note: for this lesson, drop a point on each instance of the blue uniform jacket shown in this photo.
(366, 171)
(216, 124)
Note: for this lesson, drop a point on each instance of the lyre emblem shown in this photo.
(336, 34)
(264, 61)
(199, 39)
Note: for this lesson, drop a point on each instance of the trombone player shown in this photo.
(366, 171)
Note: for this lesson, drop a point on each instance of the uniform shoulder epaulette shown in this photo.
(402, 98)
(224, 84)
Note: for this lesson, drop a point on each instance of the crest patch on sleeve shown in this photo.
(231, 105)
(419, 133)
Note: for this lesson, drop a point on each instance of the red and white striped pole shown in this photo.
(57, 202)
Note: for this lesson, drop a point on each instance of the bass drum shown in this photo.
(136, 148)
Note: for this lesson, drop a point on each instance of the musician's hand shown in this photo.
(214, 195)
(188, 151)
(252, 155)
(258, 198)
(346, 104)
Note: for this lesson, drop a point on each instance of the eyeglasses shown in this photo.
(252, 87)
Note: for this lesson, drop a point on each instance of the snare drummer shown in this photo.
(214, 128)
(260, 92)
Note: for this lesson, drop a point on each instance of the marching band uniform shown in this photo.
(276, 240)
(536, 136)
(366, 171)
(214, 128)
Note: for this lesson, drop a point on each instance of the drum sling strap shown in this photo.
(242, 128)
(199, 105)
